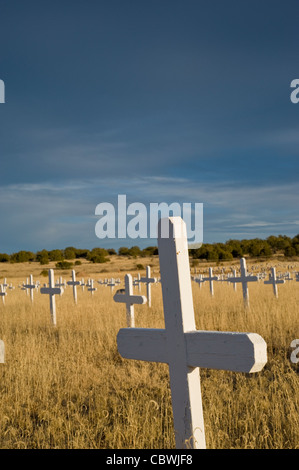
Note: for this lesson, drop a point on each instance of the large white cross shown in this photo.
(244, 279)
(184, 348)
(74, 283)
(127, 297)
(274, 281)
(148, 280)
(211, 278)
(51, 291)
(30, 286)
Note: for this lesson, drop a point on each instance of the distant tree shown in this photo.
(42, 257)
(134, 251)
(56, 255)
(70, 252)
(64, 265)
(289, 252)
(81, 253)
(4, 258)
(98, 255)
(22, 257)
(149, 251)
(123, 251)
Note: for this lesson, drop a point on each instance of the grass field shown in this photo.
(67, 386)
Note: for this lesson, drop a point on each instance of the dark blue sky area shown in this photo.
(164, 101)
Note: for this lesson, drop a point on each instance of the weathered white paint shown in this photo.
(74, 284)
(51, 291)
(244, 279)
(148, 280)
(127, 297)
(274, 281)
(183, 347)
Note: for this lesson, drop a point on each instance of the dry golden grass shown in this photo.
(67, 387)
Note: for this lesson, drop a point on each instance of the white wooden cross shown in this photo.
(199, 280)
(288, 277)
(30, 286)
(184, 348)
(90, 288)
(211, 278)
(2, 350)
(51, 291)
(127, 297)
(74, 283)
(244, 279)
(148, 280)
(274, 281)
(111, 284)
(2, 294)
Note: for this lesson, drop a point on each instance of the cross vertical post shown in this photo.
(179, 318)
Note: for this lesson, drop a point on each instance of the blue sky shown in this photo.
(164, 101)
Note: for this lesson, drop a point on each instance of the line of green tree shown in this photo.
(254, 248)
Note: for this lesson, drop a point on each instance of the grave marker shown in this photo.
(90, 288)
(111, 284)
(31, 286)
(211, 278)
(74, 283)
(274, 281)
(51, 291)
(127, 297)
(184, 348)
(244, 279)
(148, 280)
(199, 280)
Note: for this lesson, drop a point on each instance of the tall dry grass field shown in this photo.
(67, 387)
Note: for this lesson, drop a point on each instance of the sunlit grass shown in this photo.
(68, 387)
